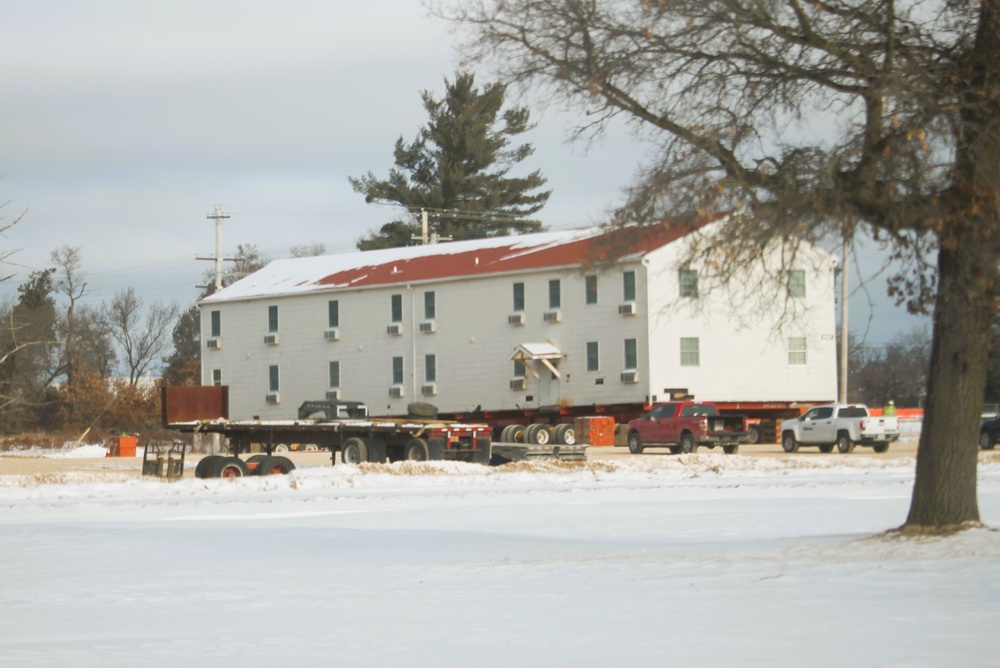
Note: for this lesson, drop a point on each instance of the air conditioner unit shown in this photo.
(273, 398)
(333, 395)
(517, 383)
(395, 329)
(428, 327)
(429, 389)
(271, 339)
(553, 316)
(630, 376)
(214, 344)
(627, 308)
(332, 335)
(396, 391)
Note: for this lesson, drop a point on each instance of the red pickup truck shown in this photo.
(683, 426)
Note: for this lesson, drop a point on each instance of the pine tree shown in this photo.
(458, 170)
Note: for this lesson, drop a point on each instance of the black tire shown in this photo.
(788, 442)
(274, 466)
(844, 443)
(731, 449)
(253, 459)
(881, 447)
(505, 436)
(753, 434)
(418, 450)
(985, 441)
(280, 449)
(687, 443)
(674, 449)
(635, 445)
(537, 434)
(354, 451)
(517, 433)
(310, 447)
(826, 447)
(228, 467)
(420, 409)
(565, 434)
(204, 467)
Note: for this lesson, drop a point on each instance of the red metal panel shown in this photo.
(193, 403)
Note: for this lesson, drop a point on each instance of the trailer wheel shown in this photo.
(274, 466)
(565, 434)
(505, 436)
(687, 443)
(204, 467)
(881, 446)
(635, 443)
(537, 434)
(311, 447)
(844, 444)
(417, 450)
(788, 442)
(826, 447)
(731, 449)
(517, 433)
(229, 467)
(354, 451)
(280, 448)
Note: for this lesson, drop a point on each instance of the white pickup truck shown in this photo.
(841, 425)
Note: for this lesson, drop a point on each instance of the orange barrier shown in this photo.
(597, 431)
(122, 447)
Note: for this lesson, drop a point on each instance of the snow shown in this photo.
(695, 560)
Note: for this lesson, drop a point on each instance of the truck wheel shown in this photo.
(844, 444)
(753, 434)
(311, 447)
(731, 449)
(826, 447)
(788, 442)
(517, 433)
(354, 451)
(985, 442)
(205, 466)
(881, 446)
(565, 434)
(505, 433)
(537, 434)
(228, 467)
(280, 448)
(674, 449)
(635, 443)
(274, 466)
(687, 444)
(417, 450)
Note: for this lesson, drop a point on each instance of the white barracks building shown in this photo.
(515, 322)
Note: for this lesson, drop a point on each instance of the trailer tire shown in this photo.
(228, 467)
(204, 467)
(280, 449)
(687, 443)
(311, 447)
(274, 466)
(537, 434)
(565, 434)
(844, 443)
(354, 451)
(517, 433)
(418, 450)
(505, 434)
(788, 442)
(421, 409)
(635, 445)
(880, 447)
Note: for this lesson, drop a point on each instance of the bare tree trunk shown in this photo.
(944, 493)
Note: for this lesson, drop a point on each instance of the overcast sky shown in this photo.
(125, 123)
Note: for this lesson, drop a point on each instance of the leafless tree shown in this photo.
(142, 337)
(818, 118)
(314, 249)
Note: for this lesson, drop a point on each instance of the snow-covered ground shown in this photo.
(697, 560)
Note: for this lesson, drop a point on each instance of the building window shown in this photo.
(334, 374)
(555, 293)
(688, 279)
(273, 379)
(797, 350)
(519, 296)
(397, 308)
(216, 324)
(591, 289)
(397, 370)
(216, 376)
(593, 356)
(333, 313)
(272, 319)
(628, 286)
(631, 356)
(690, 353)
(430, 369)
(429, 308)
(797, 283)
(519, 369)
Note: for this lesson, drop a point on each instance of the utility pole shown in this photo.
(426, 238)
(842, 398)
(218, 217)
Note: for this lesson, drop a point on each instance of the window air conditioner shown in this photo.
(428, 327)
(332, 335)
(214, 344)
(516, 319)
(271, 339)
(553, 316)
(630, 376)
(517, 383)
(627, 309)
(333, 395)
(273, 398)
(395, 329)
(396, 391)
(429, 389)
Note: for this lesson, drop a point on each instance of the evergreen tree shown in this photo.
(458, 170)
(184, 364)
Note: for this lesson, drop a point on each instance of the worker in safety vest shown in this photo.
(890, 408)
